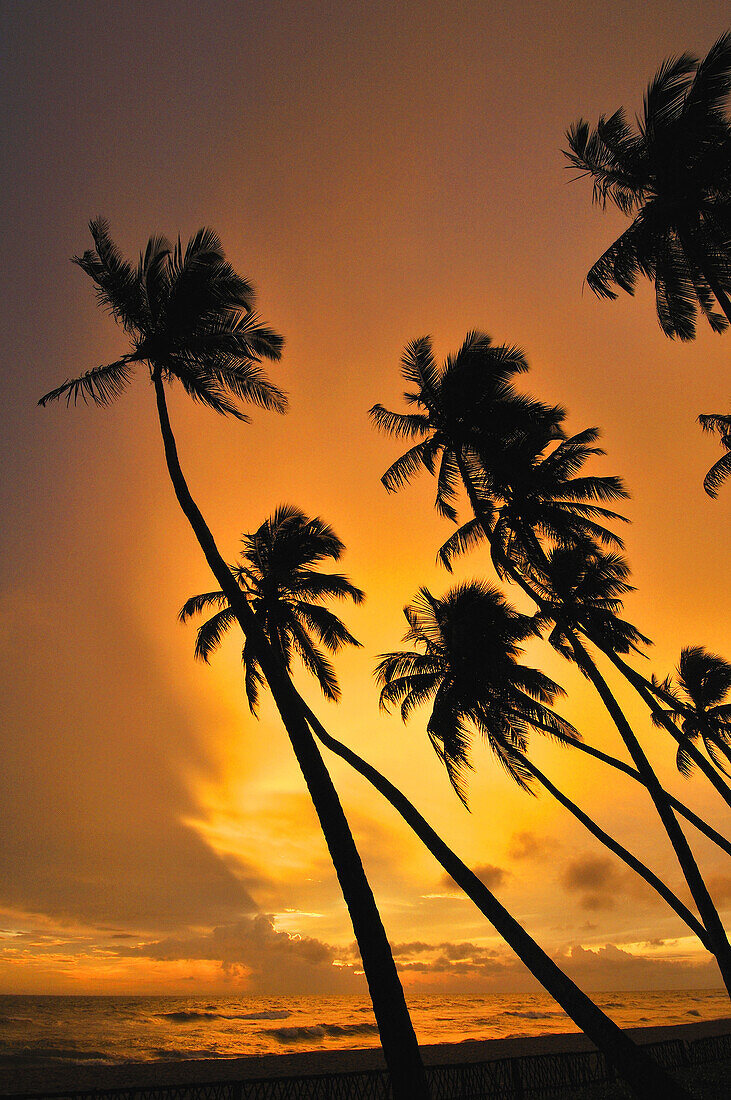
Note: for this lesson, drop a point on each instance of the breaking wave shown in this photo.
(307, 1033)
(191, 1016)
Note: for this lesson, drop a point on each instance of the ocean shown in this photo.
(48, 1031)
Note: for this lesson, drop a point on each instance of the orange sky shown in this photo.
(380, 171)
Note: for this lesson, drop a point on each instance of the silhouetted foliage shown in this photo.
(698, 706)
(716, 422)
(286, 594)
(188, 315)
(671, 173)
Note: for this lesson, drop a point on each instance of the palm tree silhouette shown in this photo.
(527, 490)
(716, 422)
(286, 593)
(671, 173)
(276, 574)
(698, 706)
(644, 1076)
(584, 596)
(519, 555)
(470, 397)
(189, 319)
(465, 661)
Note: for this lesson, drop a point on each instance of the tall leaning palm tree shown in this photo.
(514, 535)
(189, 318)
(670, 173)
(275, 573)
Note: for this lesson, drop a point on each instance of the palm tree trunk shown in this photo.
(699, 823)
(714, 928)
(676, 804)
(644, 1076)
(715, 931)
(398, 1040)
(614, 846)
(641, 686)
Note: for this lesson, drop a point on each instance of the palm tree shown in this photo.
(671, 174)
(517, 552)
(526, 490)
(470, 396)
(583, 589)
(698, 707)
(274, 577)
(644, 1076)
(465, 662)
(277, 577)
(716, 422)
(189, 319)
(582, 593)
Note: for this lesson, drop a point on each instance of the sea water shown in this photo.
(47, 1031)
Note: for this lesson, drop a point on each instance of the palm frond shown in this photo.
(399, 424)
(327, 627)
(717, 475)
(419, 367)
(421, 456)
(100, 385)
(466, 538)
(210, 634)
(196, 605)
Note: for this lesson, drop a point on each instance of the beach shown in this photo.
(16, 1079)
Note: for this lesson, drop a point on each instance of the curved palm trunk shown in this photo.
(715, 931)
(644, 1076)
(399, 1044)
(714, 928)
(641, 686)
(676, 804)
(614, 846)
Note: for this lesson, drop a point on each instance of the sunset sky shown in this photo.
(380, 171)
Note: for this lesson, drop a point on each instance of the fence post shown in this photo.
(517, 1079)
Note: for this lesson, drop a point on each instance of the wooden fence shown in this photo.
(532, 1077)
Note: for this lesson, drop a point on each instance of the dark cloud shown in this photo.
(93, 805)
(595, 879)
(527, 845)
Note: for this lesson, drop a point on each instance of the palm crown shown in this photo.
(671, 174)
(529, 490)
(286, 593)
(188, 316)
(583, 588)
(466, 664)
(697, 704)
(471, 396)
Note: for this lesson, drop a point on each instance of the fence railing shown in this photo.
(530, 1077)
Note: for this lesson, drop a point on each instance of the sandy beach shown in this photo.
(20, 1079)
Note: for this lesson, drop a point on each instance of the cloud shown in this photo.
(612, 967)
(595, 879)
(271, 961)
(527, 845)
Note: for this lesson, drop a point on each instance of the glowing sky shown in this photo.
(380, 171)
